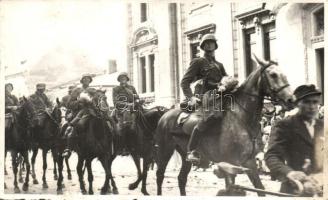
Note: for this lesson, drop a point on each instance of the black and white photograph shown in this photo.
(162, 98)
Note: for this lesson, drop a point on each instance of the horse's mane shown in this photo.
(251, 77)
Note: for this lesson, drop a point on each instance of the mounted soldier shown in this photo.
(209, 73)
(41, 104)
(11, 105)
(125, 99)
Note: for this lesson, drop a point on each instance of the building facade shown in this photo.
(164, 38)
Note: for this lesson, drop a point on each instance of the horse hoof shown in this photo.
(55, 177)
(84, 192)
(69, 177)
(103, 191)
(25, 187)
(20, 180)
(35, 181)
(133, 186)
(59, 191)
(91, 192)
(5, 186)
(45, 186)
(115, 191)
(144, 192)
(222, 193)
(17, 190)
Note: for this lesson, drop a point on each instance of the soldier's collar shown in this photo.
(209, 57)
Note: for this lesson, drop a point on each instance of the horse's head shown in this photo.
(274, 83)
(26, 109)
(56, 112)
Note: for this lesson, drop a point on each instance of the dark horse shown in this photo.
(140, 142)
(18, 140)
(92, 139)
(45, 138)
(232, 140)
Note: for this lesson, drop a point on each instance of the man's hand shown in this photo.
(13, 108)
(193, 101)
(296, 176)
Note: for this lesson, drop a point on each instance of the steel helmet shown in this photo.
(123, 74)
(86, 76)
(208, 37)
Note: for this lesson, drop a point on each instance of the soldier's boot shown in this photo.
(68, 135)
(192, 155)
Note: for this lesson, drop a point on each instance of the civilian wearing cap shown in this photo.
(293, 142)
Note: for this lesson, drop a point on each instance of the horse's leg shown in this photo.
(146, 164)
(68, 169)
(254, 176)
(20, 164)
(15, 166)
(105, 164)
(184, 171)
(44, 167)
(6, 173)
(60, 173)
(90, 175)
(27, 177)
(164, 156)
(80, 174)
(110, 162)
(35, 153)
(136, 159)
(54, 158)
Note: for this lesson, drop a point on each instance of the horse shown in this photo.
(92, 139)
(233, 139)
(45, 138)
(140, 142)
(18, 141)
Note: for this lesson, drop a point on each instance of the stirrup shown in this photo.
(192, 157)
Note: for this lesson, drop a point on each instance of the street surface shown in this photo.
(199, 183)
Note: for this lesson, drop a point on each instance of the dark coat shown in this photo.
(291, 143)
(74, 103)
(206, 69)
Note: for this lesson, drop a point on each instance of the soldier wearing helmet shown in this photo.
(208, 72)
(79, 104)
(125, 98)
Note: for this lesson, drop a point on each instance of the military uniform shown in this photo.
(10, 100)
(206, 69)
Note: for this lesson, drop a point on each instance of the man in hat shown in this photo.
(11, 105)
(293, 141)
(41, 104)
(209, 73)
(124, 98)
(67, 97)
(11, 101)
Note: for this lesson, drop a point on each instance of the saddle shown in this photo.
(9, 120)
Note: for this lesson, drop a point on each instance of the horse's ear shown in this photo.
(260, 61)
(24, 98)
(57, 101)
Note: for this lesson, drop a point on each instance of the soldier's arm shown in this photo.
(135, 94)
(48, 102)
(224, 73)
(277, 150)
(190, 76)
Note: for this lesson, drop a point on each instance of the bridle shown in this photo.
(274, 92)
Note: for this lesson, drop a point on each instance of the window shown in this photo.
(269, 41)
(143, 74)
(143, 12)
(319, 23)
(250, 43)
(152, 72)
(320, 54)
(194, 50)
